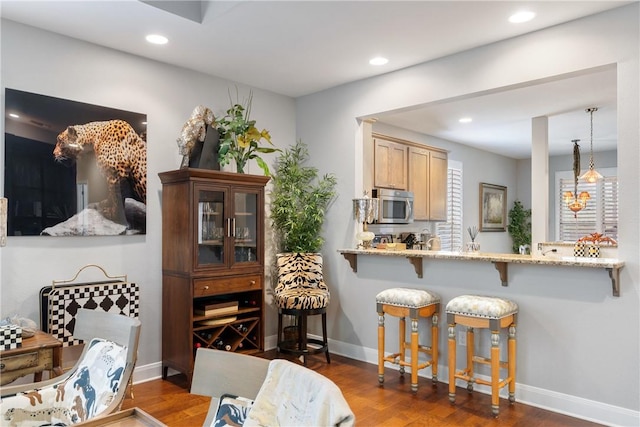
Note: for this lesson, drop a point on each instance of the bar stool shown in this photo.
(301, 292)
(492, 313)
(414, 303)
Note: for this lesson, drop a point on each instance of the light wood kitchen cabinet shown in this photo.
(427, 179)
(390, 164)
(438, 163)
(405, 165)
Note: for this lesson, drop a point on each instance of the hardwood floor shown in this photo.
(391, 405)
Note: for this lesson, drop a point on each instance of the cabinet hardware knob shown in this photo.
(253, 282)
(206, 288)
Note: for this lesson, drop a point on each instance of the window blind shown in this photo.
(450, 232)
(600, 215)
(609, 214)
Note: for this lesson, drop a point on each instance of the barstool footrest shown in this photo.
(290, 347)
(487, 361)
(464, 377)
(394, 359)
(421, 348)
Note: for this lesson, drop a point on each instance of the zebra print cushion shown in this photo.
(300, 282)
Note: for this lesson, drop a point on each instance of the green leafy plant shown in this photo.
(240, 139)
(519, 226)
(299, 200)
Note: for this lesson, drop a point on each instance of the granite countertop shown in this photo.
(549, 259)
(500, 261)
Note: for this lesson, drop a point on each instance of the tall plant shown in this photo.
(519, 226)
(299, 200)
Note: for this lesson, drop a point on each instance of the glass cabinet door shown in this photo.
(245, 227)
(211, 227)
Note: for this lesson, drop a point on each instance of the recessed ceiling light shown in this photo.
(14, 115)
(466, 120)
(378, 60)
(522, 16)
(157, 39)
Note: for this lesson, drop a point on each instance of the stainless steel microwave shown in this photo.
(394, 206)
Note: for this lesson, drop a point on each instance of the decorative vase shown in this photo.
(593, 251)
(473, 246)
(578, 249)
(240, 164)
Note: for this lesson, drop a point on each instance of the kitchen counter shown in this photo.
(501, 261)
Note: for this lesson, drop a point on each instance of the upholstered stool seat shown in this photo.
(475, 311)
(412, 303)
(301, 292)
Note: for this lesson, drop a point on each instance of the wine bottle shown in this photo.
(220, 345)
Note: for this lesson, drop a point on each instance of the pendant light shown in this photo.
(576, 202)
(591, 175)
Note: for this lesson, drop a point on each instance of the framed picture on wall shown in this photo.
(493, 207)
(72, 168)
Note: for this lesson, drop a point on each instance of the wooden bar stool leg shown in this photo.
(325, 340)
(452, 362)
(381, 347)
(495, 372)
(402, 338)
(434, 349)
(512, 363)
(470, 352)
(303, 341)
(279, 339)
(414, 354)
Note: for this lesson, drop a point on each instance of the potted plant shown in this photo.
(519, 226)
(299, 201)
(240, 139)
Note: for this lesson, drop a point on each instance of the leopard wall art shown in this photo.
(121, 155)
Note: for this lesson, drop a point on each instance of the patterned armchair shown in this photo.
(94, 387)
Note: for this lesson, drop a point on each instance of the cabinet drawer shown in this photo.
(19, 361)
(206, 287)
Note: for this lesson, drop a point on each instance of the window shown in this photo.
(450, 232)
(601, 213)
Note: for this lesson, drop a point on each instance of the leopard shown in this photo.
(121, 156)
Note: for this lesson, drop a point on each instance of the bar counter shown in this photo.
(500, 260)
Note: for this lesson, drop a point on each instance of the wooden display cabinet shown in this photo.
(212, 253)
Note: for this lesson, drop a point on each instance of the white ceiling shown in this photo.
(298, 48)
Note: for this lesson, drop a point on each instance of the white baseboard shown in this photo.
(144, 373)
(549, 400)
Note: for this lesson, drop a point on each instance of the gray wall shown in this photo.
(578, 345)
